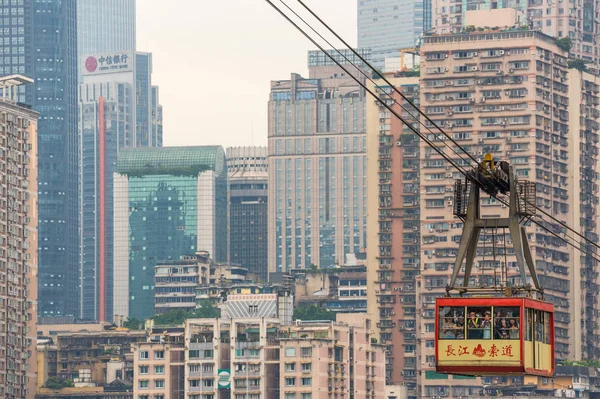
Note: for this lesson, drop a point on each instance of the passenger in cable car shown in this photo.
(473, 326)
(486, 325)
(513, 329)
(504, 330)
(448, 329)
(460, 328)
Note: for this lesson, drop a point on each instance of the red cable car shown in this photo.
(494, 336)
(506, 332)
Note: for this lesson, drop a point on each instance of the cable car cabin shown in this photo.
(494, 336)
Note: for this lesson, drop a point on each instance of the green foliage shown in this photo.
(133, 324)
(578, 64)
(564, 43)
(595, 363)
(312, 312)
(58, 383)
(178, 316)
(470, 28)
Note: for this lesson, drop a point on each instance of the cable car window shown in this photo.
(479, 322)
(506, 322)
(452, 322)
(528, 324)
(547, 330)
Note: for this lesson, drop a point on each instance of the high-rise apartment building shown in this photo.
(18, 242)
(106, 26)
(317, 168)
(168, 202)
(393, 247)
(248, 207)
(117, 110)
(386, 26)
(40, 42)
(574, 19)
(509, 93)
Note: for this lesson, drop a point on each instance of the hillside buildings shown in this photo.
(18, 241)
(317, 167)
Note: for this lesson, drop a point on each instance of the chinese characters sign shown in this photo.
(459, 352)
(108, 63)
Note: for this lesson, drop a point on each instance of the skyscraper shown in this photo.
(18, 245)
(385, 26)
(248, 207)
(118, 109)
(317, 168)
(168, 202)
(40, 42)
(105, 26)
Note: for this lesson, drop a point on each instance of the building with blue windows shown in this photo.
(105, 26)
(168, 202)
(317, 168)
(40, 41)
(385, 26)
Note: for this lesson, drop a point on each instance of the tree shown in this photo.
(58, 383)
(564, 43)
(133, 324)
(312, 312)
(178, 316)
(578, 64)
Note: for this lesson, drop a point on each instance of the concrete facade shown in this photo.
(18, 247)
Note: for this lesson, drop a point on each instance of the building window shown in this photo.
(208, 383)
(159, 383)
(306, 395)
(159, 355)
(290, 367)
(194, 383)
(143, 355)
(306, 367)
(305, 352)
(159, 369)
(306, 382)
(290, 382)
(290, 352)
(143, 384)
(143, 369)
(290, 395)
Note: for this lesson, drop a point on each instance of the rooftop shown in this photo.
(177, 161)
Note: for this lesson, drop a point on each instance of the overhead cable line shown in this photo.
(424, 138)
(564, 225)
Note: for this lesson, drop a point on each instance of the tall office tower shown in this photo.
(574, 19)
(168, 202)
(508, 94)
(156, 117)
(18, 243)
(385, 26)
(317, 168)
(117, 104)
(393, 247)
(248, 207)
(105, 26)
(40, 42)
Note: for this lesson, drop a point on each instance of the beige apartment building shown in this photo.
(18, 242)
(256, 358)
(508, 93)
(575, 19)
(393, 215)
(158, 368)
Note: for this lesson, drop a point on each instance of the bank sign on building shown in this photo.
(108, 63)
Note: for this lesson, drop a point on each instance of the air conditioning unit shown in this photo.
(474, 68)
(475, 54)
(501, 52)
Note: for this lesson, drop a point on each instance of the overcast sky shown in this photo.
(214, 60)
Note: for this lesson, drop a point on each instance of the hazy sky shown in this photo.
(214, 60)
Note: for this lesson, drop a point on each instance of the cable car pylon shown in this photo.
(494, 178)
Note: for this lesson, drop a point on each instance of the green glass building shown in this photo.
(168, 202)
